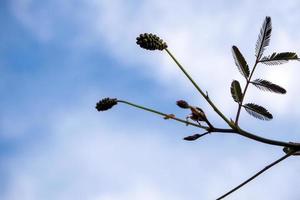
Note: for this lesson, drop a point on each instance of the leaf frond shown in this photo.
(236, 91)
(279, 58)
(263, 37)
(257, 111)
(240, 62)
(268, 86)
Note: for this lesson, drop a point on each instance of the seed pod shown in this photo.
(151, 42)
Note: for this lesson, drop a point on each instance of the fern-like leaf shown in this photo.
(240, 62)
(268, 86)
(236, 91)
(257, 111)
(279, 58)
(263, 37)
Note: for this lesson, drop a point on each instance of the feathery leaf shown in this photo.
(240, 62)
(279, 58)
(257, 111)
(268, 86)
(236, 91)
(263, 37)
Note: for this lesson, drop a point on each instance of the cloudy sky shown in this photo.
(58, 58)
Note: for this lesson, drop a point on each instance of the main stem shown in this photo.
(266, 140)
(257, 174)
(199, 90)
(244, 93)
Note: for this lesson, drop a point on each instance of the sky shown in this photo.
(58, 58)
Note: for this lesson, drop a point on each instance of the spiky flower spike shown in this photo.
(106, 104)
(151, 42)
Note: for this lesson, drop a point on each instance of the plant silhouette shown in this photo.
(197, 117)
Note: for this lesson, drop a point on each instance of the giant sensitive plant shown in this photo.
(197, 117)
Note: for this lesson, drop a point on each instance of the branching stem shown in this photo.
(199, 90)
(212, 129)
(244, 93)
(266, 140)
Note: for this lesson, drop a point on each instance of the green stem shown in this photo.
(257, 174)
(266, 140)
(244, 93)
(249, 79)
(199, 90)
(163, 114)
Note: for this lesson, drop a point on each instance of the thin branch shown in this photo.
(266, 140)
(237, 130)
(257, 174)
(244, 93)
(200, 91)
(163, 114)
(203, 134)
(209, 124)
(258, 138)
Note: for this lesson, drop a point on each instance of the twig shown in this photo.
(257, 174)
(163, 114)
(205, 96)
(212, 129)
(244, 93)
(266, 140)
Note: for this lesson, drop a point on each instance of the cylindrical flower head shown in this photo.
(183, 104)
(151, 42)
(105, 104)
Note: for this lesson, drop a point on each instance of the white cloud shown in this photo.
(201, 40)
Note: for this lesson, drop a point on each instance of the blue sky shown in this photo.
(58, 58)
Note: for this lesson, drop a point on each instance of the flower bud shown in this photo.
(183, 104)
(192, 137)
